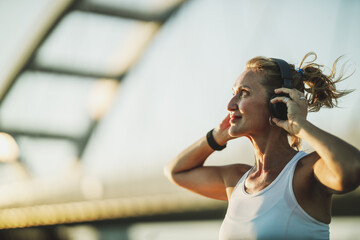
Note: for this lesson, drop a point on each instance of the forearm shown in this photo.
(192, 157)
(341, 158)
(195, 155)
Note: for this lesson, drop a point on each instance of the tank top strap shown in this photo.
(286, 175)
(243, 178)
(293, 162)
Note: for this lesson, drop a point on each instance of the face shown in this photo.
(248, 107)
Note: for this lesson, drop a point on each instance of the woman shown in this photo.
(287, 193)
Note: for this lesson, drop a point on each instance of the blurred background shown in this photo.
(97, 95)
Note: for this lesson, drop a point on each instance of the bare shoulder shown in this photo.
(309, 160)
(231, 175)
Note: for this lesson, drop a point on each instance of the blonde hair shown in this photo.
(319, 88)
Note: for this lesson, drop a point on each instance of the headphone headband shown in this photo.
(285, 70)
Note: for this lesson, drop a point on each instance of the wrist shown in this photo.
(220, 137)
(303, 127)
(212, 142)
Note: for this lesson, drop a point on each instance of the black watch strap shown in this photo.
(212, 143)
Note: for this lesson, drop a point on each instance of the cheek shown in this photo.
(253, 108)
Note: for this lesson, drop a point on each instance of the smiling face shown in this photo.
(249, 114)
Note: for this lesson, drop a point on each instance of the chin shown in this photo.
(233, 132)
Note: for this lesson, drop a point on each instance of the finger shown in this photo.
(225, 123)
(279, 123)
(302, 98)
(283, 99)
(293, 93)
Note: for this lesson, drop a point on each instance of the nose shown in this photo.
(232, 105)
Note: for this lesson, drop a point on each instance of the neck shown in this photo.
(272, 151)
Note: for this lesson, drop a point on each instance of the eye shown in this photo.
(244, 93)
(241, 93)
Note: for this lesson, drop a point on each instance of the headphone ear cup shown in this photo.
(279, 109)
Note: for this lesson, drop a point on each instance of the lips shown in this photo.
(234, 118)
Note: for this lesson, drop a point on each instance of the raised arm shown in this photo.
(338, 167)
(188, 171)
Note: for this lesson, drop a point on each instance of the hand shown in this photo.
(296, 110)
(221, 133)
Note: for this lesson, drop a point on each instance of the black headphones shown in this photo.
(279, 109)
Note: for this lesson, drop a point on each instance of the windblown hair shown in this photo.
(319, 88)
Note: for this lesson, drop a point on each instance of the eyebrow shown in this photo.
(240, 87)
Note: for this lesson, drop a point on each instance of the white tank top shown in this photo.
(272, 213)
